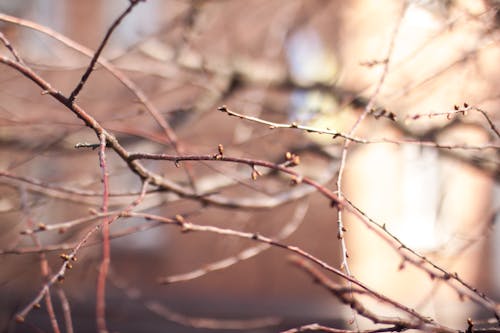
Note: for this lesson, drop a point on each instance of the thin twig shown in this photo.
(66, 309)
(71, 257)
(346, 296)
(273, 125)
(104, 267)
(44, 267)
(369, 106)
(127, 82)
(289, 228)
(186, 226)
(11, 49)
(189, 321)
(477, 296)
(93, 61)
(335, 134)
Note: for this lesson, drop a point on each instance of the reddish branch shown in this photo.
(289, 228)
(296, 177)
(103, 268)
(71, 257)
(419, 320)
(346, 296)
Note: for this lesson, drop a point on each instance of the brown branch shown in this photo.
(189, 321)
(488, 119)
(129, 84)
(345, 295)
(44, 266)
(11, 49)
(186, 226)
(274, 125)
(351, 138)
(296, 178)
(113, 143)
(68, 246)
(458, 110)
(381, 229)
(66, 309)
(345, 147)
(71, 257)
(104, 267)
(93, 61)
(288, 229)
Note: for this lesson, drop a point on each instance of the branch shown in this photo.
(345, 295)
(93, 61)
(104, 267)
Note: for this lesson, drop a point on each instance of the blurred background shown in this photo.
(309, 62)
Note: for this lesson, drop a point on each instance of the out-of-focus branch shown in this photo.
(186, 226)
(189, 321)
(287, 230)
(346, 296)
(418, 261)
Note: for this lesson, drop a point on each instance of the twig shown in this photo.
(488, 119)
(457, 110)
(103, 268)
(289, 228)
(479, 297)
(93, 61)
(188, 226)
(335, 134)
(71, 257)
(44, 268)
(346, 296)
(66, 309)
(369, 106)
(296, 177)
(134, 166)
(189, 321)
(69, 246)
(273, 125)
(11, 49)
(129, 84)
